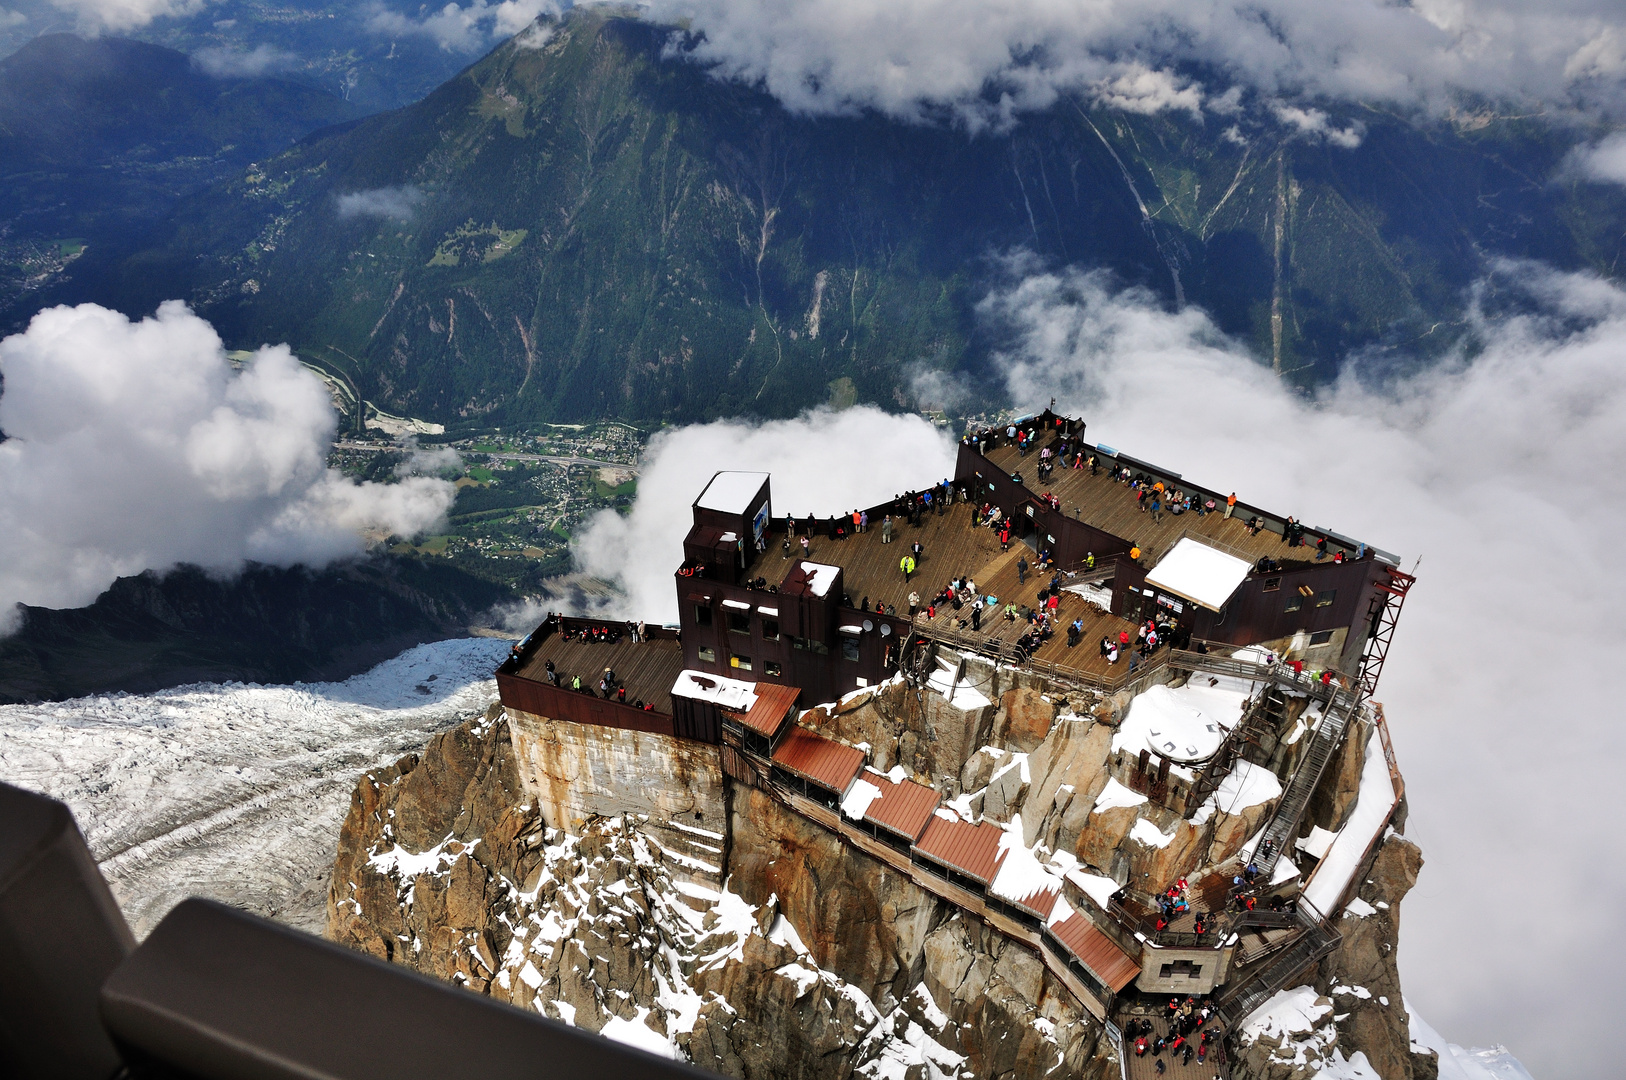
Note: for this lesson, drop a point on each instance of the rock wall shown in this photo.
(824, 965)
(577, 772)
(554, 867)
(1357, 1004)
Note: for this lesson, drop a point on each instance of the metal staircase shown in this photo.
(1324, 742)
(1255, 989)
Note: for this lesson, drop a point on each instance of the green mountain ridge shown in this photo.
(603, 230)
(99, 138)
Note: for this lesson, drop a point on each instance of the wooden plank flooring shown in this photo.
(1145, 1068)
(1112, 506)
(647, 668)
(953, 549)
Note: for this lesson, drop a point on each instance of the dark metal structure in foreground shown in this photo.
(217, 994)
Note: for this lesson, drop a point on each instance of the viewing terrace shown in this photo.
(1112, 507)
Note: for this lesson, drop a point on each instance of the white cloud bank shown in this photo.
(986, 58)
(1602, 162)
(225, 63)
(395, 203)
(822, 462)
(462, 27)
(119, 16)
(134, 446)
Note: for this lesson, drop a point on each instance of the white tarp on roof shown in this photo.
(1202, 574)
(820, 576)
(731, 492)
(726, 693)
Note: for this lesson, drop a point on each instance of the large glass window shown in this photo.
(770, 629)
(741, 662)
(708, 655)
(702, 615)
(739, 623)
(849, 648)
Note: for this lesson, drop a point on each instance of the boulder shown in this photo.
(1023, 719)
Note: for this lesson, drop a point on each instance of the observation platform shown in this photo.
(1112, 507)
(646, 668)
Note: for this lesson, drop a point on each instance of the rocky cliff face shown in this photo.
(1352, 1010)
(804, 957)
(822, 964)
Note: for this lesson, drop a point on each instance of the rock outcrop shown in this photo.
(535, 874)
(824, 964)
(1353, 1005)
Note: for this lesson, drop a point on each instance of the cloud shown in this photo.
(1504, 468)
(1140, 89)
(9, 18)
(465, 28)
(822, 462)
(1601, 162)
(224, 63)
(396, 203)
(984, 60)
(1312, 124)
(121, 15)
(134, 446)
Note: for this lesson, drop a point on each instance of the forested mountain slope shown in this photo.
(583, 224)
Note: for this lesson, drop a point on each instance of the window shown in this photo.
(770, 629)
(702, 615)
(741, 662)
(1180, 969)
(770, 667)
(849, 648)
(1321, 637)
(738, 623)
(1272, 584)
(1294, 603)
(818, 648)
(1325, 597)
(708, 655)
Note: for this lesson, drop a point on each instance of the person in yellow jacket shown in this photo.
(907, 565)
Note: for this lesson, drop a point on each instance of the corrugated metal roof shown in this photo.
(903, 807)
(767, 714)
(1041, 901)
(1111, 964)
(970, 849)
(823, 761)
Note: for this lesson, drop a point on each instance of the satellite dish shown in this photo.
(886, 629)
(868, 626)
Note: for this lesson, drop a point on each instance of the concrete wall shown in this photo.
(579, 771)
(1211, 962)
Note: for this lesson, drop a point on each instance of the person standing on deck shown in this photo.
(914, 603)
(976, 615)
(1022, 570)
(886, 529)
(917, 550)
(907, 565)
(1230, 504)
(807, 548)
